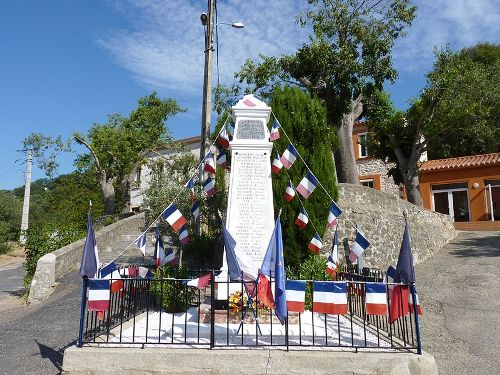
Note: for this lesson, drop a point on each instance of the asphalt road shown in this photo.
(11, 274)
(459, 291)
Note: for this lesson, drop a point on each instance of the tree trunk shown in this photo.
(412, 185)
(108, 192)
(345, 163)
(126, 184)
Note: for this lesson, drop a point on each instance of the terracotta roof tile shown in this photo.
(462, 162)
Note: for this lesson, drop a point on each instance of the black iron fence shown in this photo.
(225, 313)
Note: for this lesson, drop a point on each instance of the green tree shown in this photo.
(349, 53)
(304, 120)
(118, 147)
(10, 216)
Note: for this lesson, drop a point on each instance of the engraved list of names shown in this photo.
(251, 195)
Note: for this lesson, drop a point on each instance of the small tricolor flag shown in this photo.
(195, 210)
(330, 297)
(184, 235)
(315, 245)
(376, 298)
(140, 242)
(307, 185)
(289, 156)
(275, 131)
(223, 138)
(360, 245)
(295, 295)
(302, 219)
(277, 164)
(222, 159)
(201, 282)
(109, 271)
(190, 187)
(209, 187)
(174, 217)
(410, 302)
(333, 259)
(334, 213)
(289, 192)
(98, 295)
(170, 258)
(209, 163)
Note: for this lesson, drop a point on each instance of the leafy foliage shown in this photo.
(10, 216)
(174, 295)
(45, 150)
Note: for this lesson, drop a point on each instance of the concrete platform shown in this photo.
(92, 360)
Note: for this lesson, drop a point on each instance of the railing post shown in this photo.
(415, 312)
(82, 310)
(212, 311)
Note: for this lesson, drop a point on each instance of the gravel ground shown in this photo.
(459, 294)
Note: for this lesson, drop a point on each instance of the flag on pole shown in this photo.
(223, 138)
(201, 282)
(195, 210)
(398, 296)
(359, 246)
(334, 213)
(184, 235)
(190, 187)
(110, 271)
(289, 192)
(302, 219)
(233, 267)
(410, 302)
(333, 259)
(295, 295)
(174, 217)
(209, 163)
(330, 297)
(140, 242)
(222, 159)
(277, 164)
(289, 156)
(376, 298)
(264, 291)
(275, 131)
(315, 245)
(307, 185)
(159, 248)
(209, 187)
(90, 257)
(99, 295)
(404, 267)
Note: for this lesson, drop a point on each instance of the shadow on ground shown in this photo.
(478, 247)
(53, 355)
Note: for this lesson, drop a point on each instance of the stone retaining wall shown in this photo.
(54, 265)
(380, 218)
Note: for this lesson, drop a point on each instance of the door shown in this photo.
(452, 200)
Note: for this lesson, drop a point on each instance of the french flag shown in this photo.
(333, 259)
(410, 302)
(174, 217)
(275, 131)
(334, 213)
(184, 235)
(277, 165)
(223, 138)
(222, 159)
(209, 163)
(302, 219)
(295, 291)
(98, 295)
(110, 272)
(307, 185)
(190, 187)
(376, 298)
(330, 297)
(195, 210)
(360, 245)
(315, 245)
(209, 187)
(201, 282)
(289, 156)
(170, 258)
(140, 242)
(289, 192)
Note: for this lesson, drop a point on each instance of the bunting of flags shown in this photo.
(275, 132)
(223, 138)
(330, 297)
(190, 187)
(174, 217)
(222, 159)
(333, 259)
(302, 219)
(277, 164)
(376, 298)
(289, 192)
(170, 258)
(307, 185)
(110, 272)
(140, 242)
(209, 187)
(98, 295)
(289, 156)
(195, 210)
(200, 282)
(184, 235)
(360, 245)
(315, 245)
(295, 295)
(334, 213)
(209, 163)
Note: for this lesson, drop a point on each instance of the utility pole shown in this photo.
(26, 203)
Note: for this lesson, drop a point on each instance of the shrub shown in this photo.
(5, 248)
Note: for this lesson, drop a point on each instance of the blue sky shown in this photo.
(67, 64)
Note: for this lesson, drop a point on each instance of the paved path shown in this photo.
(11, 277)
(459, 290)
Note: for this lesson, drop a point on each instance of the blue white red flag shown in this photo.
(333, 259)
(277, 164)
(209, 163)
(110, 271)
(195, 210)
(376, 298)
(233, 266)
(295, 295)
(223, 138)
(359, 246)
(315, 245)
(275, 131)
(184, 235)
(209, 187)
(190, 187)
(302, 219)
(289, 192)
(405, 268)
(145, 273)
(279, 272)
(98, 295)
(174, 217)
(307, 185)
(410, 302)
(222, 159)
(201, 282)
(289, 156)
(140, 242)
(334, 213)
(170, 258)
(330, 297)
(90, 258)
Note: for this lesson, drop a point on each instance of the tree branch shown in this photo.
(81, 141)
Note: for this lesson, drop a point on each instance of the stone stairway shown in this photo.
(132, 255)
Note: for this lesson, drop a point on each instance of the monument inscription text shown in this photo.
(250, 129)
